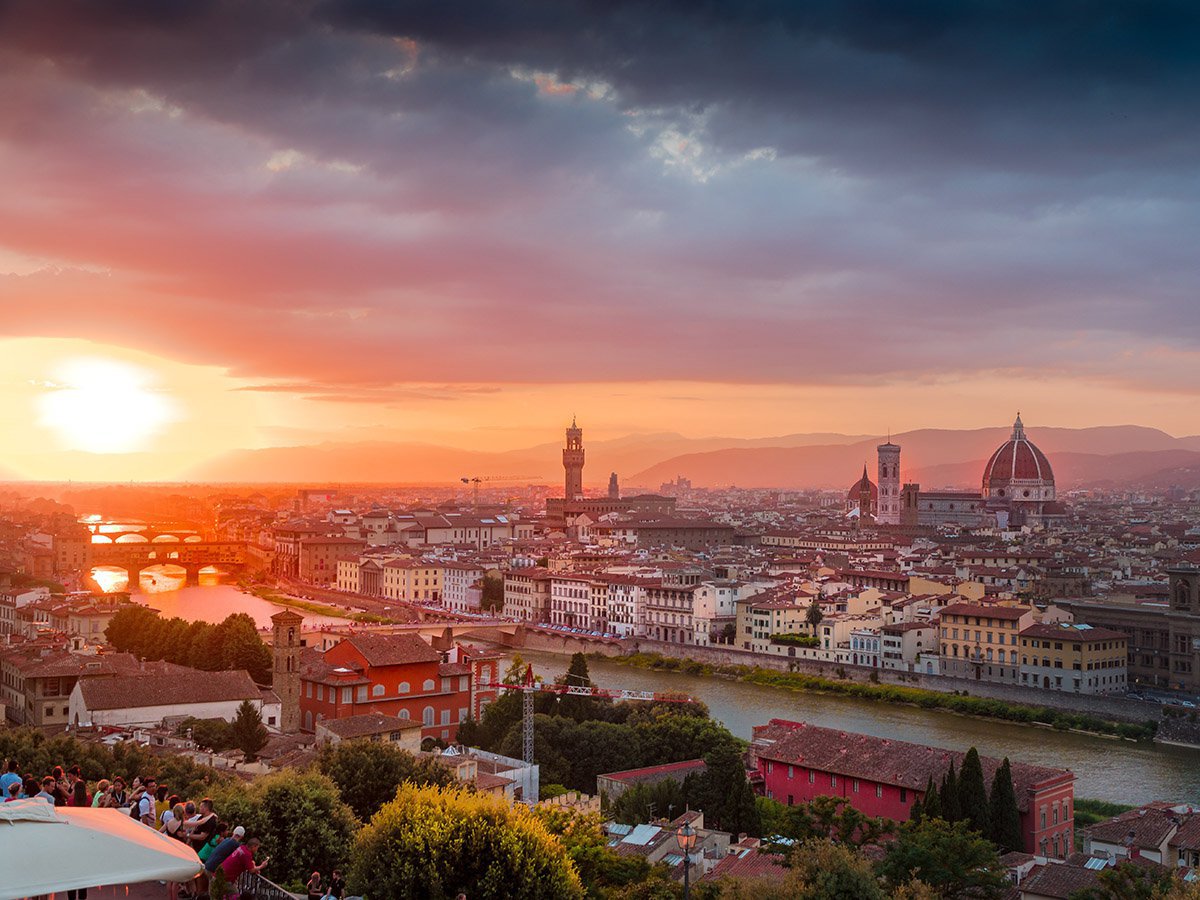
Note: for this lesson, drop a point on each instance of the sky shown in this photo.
(247, 224)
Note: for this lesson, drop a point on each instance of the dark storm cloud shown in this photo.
(903, 85)
(615, 190)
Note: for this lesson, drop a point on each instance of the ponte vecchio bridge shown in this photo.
(191, 556)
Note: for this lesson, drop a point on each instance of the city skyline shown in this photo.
(228, 228)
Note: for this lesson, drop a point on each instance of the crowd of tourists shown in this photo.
(195, 824)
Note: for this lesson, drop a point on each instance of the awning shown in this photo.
(44, 849)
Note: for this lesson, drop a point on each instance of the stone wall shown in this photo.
(533, 639)
(1115, 708)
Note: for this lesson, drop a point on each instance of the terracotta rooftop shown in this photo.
(864, 756)
(1059, 881)
(366, 725)
(393, 649)
(135, 691)
(648, 773)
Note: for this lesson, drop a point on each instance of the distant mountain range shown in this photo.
(1115, 456)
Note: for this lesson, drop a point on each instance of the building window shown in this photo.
(404, 687)
(362, 693)
(878, 791)
(347, 695)
(427, 715)
(854, 786)
(321, 692)
(428, 685)
(833, 781)
(791, 771)
(377, 690)
(404, 714)
(812, 777)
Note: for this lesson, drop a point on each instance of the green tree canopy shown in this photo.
(642, 802)
(1003, 815)
(948, 796)
(723, 792)
(233, 644)
(972, 793)
(950, 858)
(247, 731)
(600, 868)
(435, 842)
(299, 817)
(829, 818)
(827, 870)
(210, 734)
(814, 616)
(368, 773)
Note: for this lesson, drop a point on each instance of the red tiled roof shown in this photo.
(136, 691)
(393, 649)
(632, 776)
(990, 611)
(1059, 880)
(749, 864)
(1073, 633)
(884, 760)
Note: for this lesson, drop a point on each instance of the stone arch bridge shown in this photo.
(191, 556)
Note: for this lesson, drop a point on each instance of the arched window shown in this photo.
(404, 687)
(404, 714)
(428, 685)
(308, 720)
(427, 715)
(377, 690)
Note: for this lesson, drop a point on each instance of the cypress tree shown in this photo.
(948, 797)
(972, 793)
(916, 812)
(933, 806)
(1004, 816)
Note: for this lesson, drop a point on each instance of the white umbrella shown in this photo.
(44, 849)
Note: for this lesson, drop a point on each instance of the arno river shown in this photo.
(1106, 769)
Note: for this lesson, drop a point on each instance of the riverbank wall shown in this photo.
(1118, 709)
(549, 642)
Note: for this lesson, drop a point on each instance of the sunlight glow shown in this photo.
(104, 406)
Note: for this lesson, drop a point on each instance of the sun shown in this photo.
(104, 406)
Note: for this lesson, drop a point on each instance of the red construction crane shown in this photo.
(530, 686)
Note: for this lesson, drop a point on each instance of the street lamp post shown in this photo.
(686, 836)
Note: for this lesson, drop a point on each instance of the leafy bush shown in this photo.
(435, 842)
(299, 817)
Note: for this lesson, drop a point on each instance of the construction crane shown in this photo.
(476, 480)
(529, 686)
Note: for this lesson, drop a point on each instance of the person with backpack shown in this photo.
(143, 810)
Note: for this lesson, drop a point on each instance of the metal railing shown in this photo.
(254, 885)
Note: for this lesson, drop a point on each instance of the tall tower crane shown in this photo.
(529, 686)
(477, 480)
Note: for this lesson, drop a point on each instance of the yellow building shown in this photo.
(981, 641)
(412, 579)
(760, 617)
(1074, 658)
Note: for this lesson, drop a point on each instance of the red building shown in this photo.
(797, 762)
(397, 675)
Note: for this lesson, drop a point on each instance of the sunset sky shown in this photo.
(247, 224)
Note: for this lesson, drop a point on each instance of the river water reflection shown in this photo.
(1107, 770)
(1119, 771)
(212, 601)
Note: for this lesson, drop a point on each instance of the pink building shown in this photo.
(797, 762)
